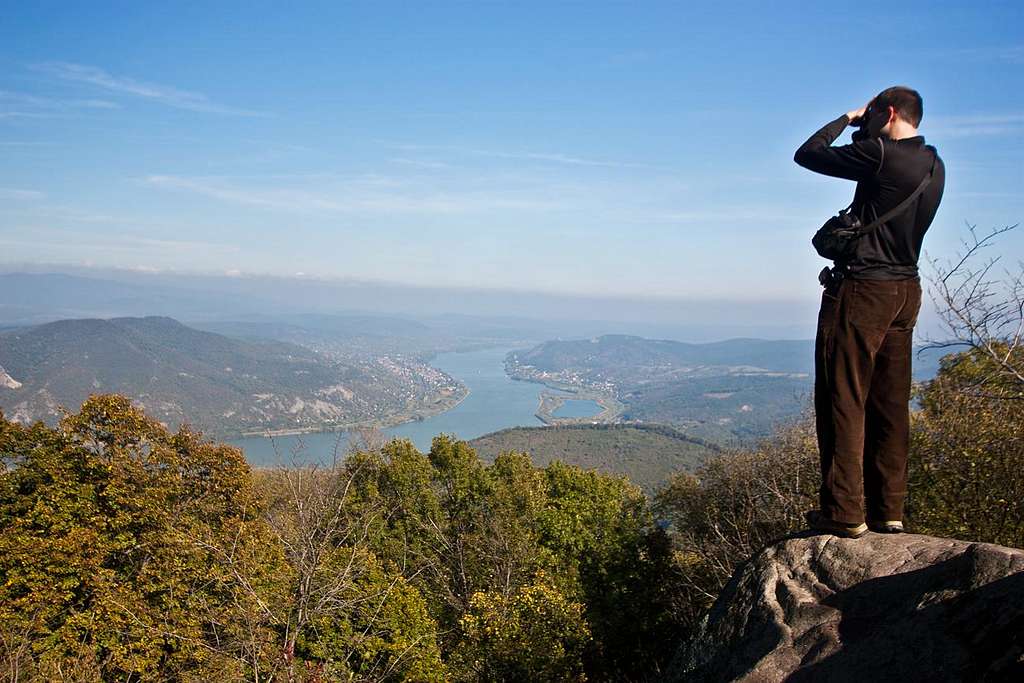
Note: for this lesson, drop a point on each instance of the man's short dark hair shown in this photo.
(905, 101)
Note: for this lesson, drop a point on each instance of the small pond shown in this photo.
(578, 407)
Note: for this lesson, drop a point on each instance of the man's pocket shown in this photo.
(907, 316)
(874, 304)
(830, 298)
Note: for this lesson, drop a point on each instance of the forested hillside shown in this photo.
(224, 386)
(647, 454)
(727, 391)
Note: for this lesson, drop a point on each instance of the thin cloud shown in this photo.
(555, 158)
(551, 157)
(63, 239)
(19, 194)
(1012, 196)
(17, 114)
(65, 214)
(22, 98)
(987, 54)
(178, 245)
(34, 101)
(435, 165)
(630, 57)
(1011, 54)
(729, 215)
(976, 125)
(222, 193)
(95, 104)
(163, 94)
(284, 146)
(351, 198)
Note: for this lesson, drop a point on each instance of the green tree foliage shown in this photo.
(474, 539)
(967, 459)
(131, 553)
(735, 505)
(532, 633)
(378, 629)
(967, 454)
(602, 530)
(344, 615)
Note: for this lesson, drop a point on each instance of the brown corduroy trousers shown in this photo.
(862, 396)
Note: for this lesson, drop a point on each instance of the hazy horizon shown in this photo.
(218, 297)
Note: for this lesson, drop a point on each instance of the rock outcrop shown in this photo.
(7, 381)
(879, 608)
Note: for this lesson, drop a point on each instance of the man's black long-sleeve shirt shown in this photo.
(886, 171)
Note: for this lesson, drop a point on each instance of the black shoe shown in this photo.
(819, 522)
(894, 526)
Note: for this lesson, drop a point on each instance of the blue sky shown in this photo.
(630, 149)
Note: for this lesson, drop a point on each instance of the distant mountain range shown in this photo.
(224, 386)
(33, 296)
(619, 355)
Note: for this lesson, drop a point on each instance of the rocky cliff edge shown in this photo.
(879, 608)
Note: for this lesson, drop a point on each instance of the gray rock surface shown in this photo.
(879, 608)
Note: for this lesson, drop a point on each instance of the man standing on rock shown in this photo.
(868, 312)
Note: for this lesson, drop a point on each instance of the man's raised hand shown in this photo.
(855, 114)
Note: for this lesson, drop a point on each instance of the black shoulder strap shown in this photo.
(905, 203)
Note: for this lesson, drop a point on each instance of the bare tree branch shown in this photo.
(982, 314)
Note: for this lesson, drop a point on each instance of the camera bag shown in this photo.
(837, 238)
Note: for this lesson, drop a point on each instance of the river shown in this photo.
(494, 402)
